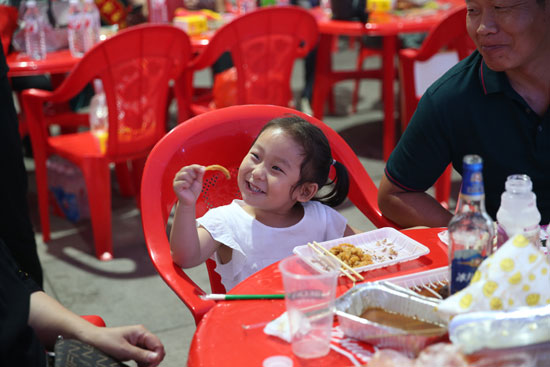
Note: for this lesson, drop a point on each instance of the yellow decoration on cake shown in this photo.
(507, 264)
(511, 302)
(525, 288)
(532, 299)
(532, 277)
(476, 277)
(533, 258)
(515, 279)
(496, 304)
(489, 288)
(466, 301)
(544, 271)
(520, 241)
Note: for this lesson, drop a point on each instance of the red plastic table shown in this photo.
(386, 25)
(220, 339)
(60, 62)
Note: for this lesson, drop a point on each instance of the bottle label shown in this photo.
(472, 183)
(463, 266)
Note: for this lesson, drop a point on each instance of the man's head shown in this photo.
(510, 34)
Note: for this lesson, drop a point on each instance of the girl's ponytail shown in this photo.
(339, 186)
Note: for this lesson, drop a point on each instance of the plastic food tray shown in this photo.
(371, 242)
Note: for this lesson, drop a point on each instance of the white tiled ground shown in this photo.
(127, 289)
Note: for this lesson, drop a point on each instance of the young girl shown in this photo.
(281, 207)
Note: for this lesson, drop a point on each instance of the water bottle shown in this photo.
(76, 29)
(326, 6)
(518, 211)
(158, 11)
(471, 230)
(35, 36)
(246, 6)
(99, 116)
(92, 24)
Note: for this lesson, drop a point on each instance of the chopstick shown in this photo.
(228, 297)
(323, 254)
(327, 252)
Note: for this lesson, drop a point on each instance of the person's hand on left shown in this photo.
(125, 343)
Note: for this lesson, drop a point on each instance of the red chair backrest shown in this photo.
(223, 136)
(264, 45)
(135, 67)
(449, 34)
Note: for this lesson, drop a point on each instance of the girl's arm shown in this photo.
(190, 245)
(351, 231)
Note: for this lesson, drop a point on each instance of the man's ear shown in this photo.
(306, 191)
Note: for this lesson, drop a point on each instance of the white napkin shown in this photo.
(280, 327)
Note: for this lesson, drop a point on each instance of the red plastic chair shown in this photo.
(449, 35)
(264, 45)
(223, 136)
(135, 67)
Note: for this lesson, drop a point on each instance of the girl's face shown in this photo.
(270, 170)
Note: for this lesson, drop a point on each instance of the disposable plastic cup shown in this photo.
(309, 298)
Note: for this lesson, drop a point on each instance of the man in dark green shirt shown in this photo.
(495, 103)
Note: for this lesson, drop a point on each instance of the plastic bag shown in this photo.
(225, 88)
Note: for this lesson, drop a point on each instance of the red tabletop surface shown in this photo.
(220, 339)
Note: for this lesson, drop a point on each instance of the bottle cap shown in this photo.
(277, 361)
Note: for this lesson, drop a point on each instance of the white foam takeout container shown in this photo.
(371, 242)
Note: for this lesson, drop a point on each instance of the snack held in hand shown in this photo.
(517, 275)
(217, 167)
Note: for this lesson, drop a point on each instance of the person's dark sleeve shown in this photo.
(19, 345)
(424, 150)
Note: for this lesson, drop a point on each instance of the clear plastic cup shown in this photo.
(309, 298)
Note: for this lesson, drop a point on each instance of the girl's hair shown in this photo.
(317, 158)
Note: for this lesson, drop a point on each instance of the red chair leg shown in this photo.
(443, 187)
(137, 173)
(98, 184)
(124, 178)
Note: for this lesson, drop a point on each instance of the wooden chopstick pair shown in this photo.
(344, 268)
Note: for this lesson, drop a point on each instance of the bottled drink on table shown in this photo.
(471, 230)
(35, 36)
(76, 32)
(99, 116)
(158, 11)
(92, 24)
(518, 211)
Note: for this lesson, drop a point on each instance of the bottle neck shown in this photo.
(470, 203)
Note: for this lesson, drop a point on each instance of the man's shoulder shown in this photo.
(460, 78)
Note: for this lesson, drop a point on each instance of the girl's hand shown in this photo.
(188, 184)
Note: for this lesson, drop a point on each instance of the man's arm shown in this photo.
(49, 319)
(410, 209)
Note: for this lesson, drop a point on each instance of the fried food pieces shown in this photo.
(351, 255)
(217, 167)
